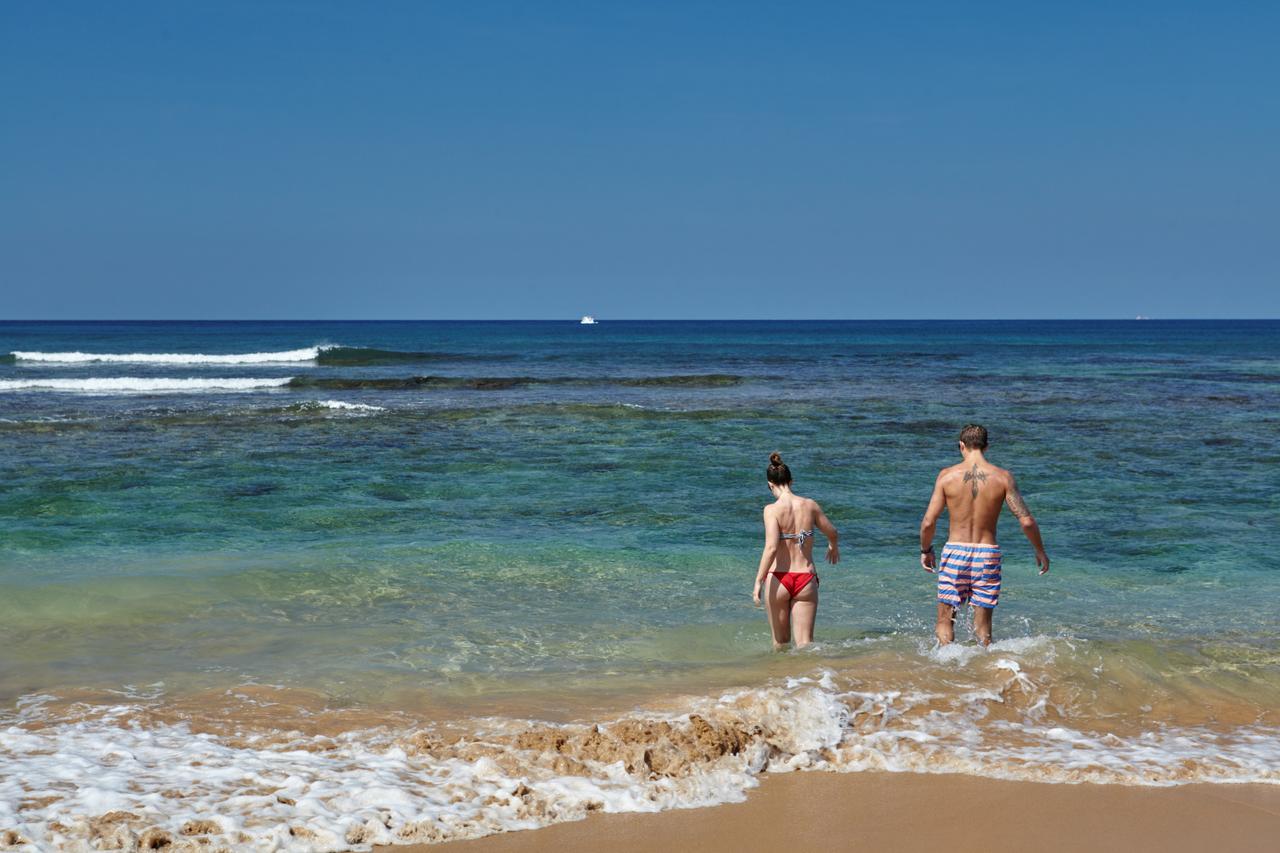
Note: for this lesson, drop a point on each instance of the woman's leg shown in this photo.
(778, 602)
(804, 612)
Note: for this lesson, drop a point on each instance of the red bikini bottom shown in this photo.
(795, 581)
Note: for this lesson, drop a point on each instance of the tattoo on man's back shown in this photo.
(975, 478)
(1013, 498)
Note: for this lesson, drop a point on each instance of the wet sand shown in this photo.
(912, 812)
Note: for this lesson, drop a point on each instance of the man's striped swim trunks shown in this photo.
(969, 573)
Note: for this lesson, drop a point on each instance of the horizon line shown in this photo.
(1136, 319)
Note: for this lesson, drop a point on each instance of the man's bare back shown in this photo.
(973, 493)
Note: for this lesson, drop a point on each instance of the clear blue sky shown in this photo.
(639, 160)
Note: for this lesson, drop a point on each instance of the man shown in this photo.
(972, 493)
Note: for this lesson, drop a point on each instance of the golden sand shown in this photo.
(914, 812)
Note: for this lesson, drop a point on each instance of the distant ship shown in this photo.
(587, 320)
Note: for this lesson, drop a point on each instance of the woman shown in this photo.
(791, 591)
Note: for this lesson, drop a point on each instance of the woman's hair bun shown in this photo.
(777, 472)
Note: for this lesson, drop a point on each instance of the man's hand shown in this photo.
(755, 594)
(1042, 560)
(928, 562)
(833, 554)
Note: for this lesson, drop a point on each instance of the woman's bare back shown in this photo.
(796, 518)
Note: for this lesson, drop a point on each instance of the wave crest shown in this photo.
(285, 357)
(141, 385)
(332, 355)
(334, 406)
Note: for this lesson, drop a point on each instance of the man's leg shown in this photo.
(946, 626)
(986, 595)
(982, 623)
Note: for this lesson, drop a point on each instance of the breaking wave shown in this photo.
(335, 405)
(160, 781)
(141, 385)
(334, 356)
(286, 357)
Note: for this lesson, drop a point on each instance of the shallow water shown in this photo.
(421, 524)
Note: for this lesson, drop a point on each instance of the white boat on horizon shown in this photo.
(587, 320)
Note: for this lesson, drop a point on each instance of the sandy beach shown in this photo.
(526, 427)
(914, 812)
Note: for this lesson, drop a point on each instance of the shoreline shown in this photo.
(918, 812)
(331, 776)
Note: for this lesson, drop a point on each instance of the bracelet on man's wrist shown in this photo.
(928, 550)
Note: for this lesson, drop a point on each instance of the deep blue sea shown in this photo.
(405, 556)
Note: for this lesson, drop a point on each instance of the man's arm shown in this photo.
(770, 553)
(929, 524)
(1017, 506)
(828, 529)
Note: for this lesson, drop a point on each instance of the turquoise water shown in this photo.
(566, 513)
(583, 526)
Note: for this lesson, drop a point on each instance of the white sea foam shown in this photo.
(962, 654)
(311, 794)
(286, 357)
(141, 385)
(385, 787)
(336, 406)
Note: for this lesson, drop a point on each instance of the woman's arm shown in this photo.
(828, 529)
(769, 555)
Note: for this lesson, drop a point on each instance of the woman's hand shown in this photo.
(755, 594)
(833, 554)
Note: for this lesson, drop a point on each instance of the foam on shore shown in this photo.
(117, 776)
